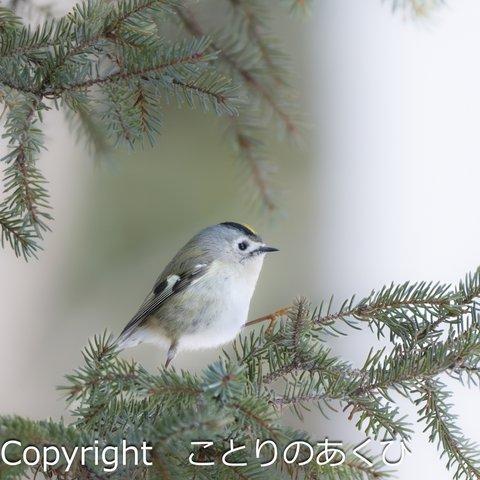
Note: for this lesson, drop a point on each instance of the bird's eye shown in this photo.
(243, 245)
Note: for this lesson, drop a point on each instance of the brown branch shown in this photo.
(364, 312)
(19, 88)
(246, 146)
(119, 76)
(137, 9)
(79, 48)
(265, 425)
(19, 235)
(221, 99)
(81, 389)
(309, 366)
(282, 402)
(192, 25)
(254, 31)
(180, 389)
(361, 312)
(141, 101)
(281, 372)
(29, 196)
(126, 132)
(22, 166)
(160, 466)
(107, 33)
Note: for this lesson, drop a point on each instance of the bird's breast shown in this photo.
(224, 299)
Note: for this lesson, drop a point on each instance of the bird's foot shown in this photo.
(272, 317)
(172, 351)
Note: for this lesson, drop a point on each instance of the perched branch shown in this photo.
(242, 395)
(271, 317)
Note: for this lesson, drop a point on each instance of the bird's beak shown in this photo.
(266, 249)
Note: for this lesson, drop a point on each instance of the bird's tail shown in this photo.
(121, 342)
(127, 339)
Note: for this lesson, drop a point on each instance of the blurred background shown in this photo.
(384, 189)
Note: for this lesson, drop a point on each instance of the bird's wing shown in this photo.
(165, 287)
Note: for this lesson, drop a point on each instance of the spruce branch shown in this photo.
(403, 310)
(285, 364)
(435, 410)
(251, 17)
(8, 20)
(395, 306)
(352, 469)
(25, 208)
(251, 150)
(107, 65)
(24, 182)
(207, 90)
(113, 65)
(247, 133)
(20, 237)
(320, 378)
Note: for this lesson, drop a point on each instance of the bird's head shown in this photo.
(236, 243)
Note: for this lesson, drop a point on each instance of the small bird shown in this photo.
(202, 297)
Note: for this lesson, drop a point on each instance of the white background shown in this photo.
(399, 142)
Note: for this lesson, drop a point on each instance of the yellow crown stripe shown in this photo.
(248, 227)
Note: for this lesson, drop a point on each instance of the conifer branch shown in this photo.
(251, 16)
(246, 133)
(242, 395)
(251, 150)
(108, 67)
(19, 236)
(436, 412)
(352, 468)
(26, 203)
(23, 181)
(145, 71)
